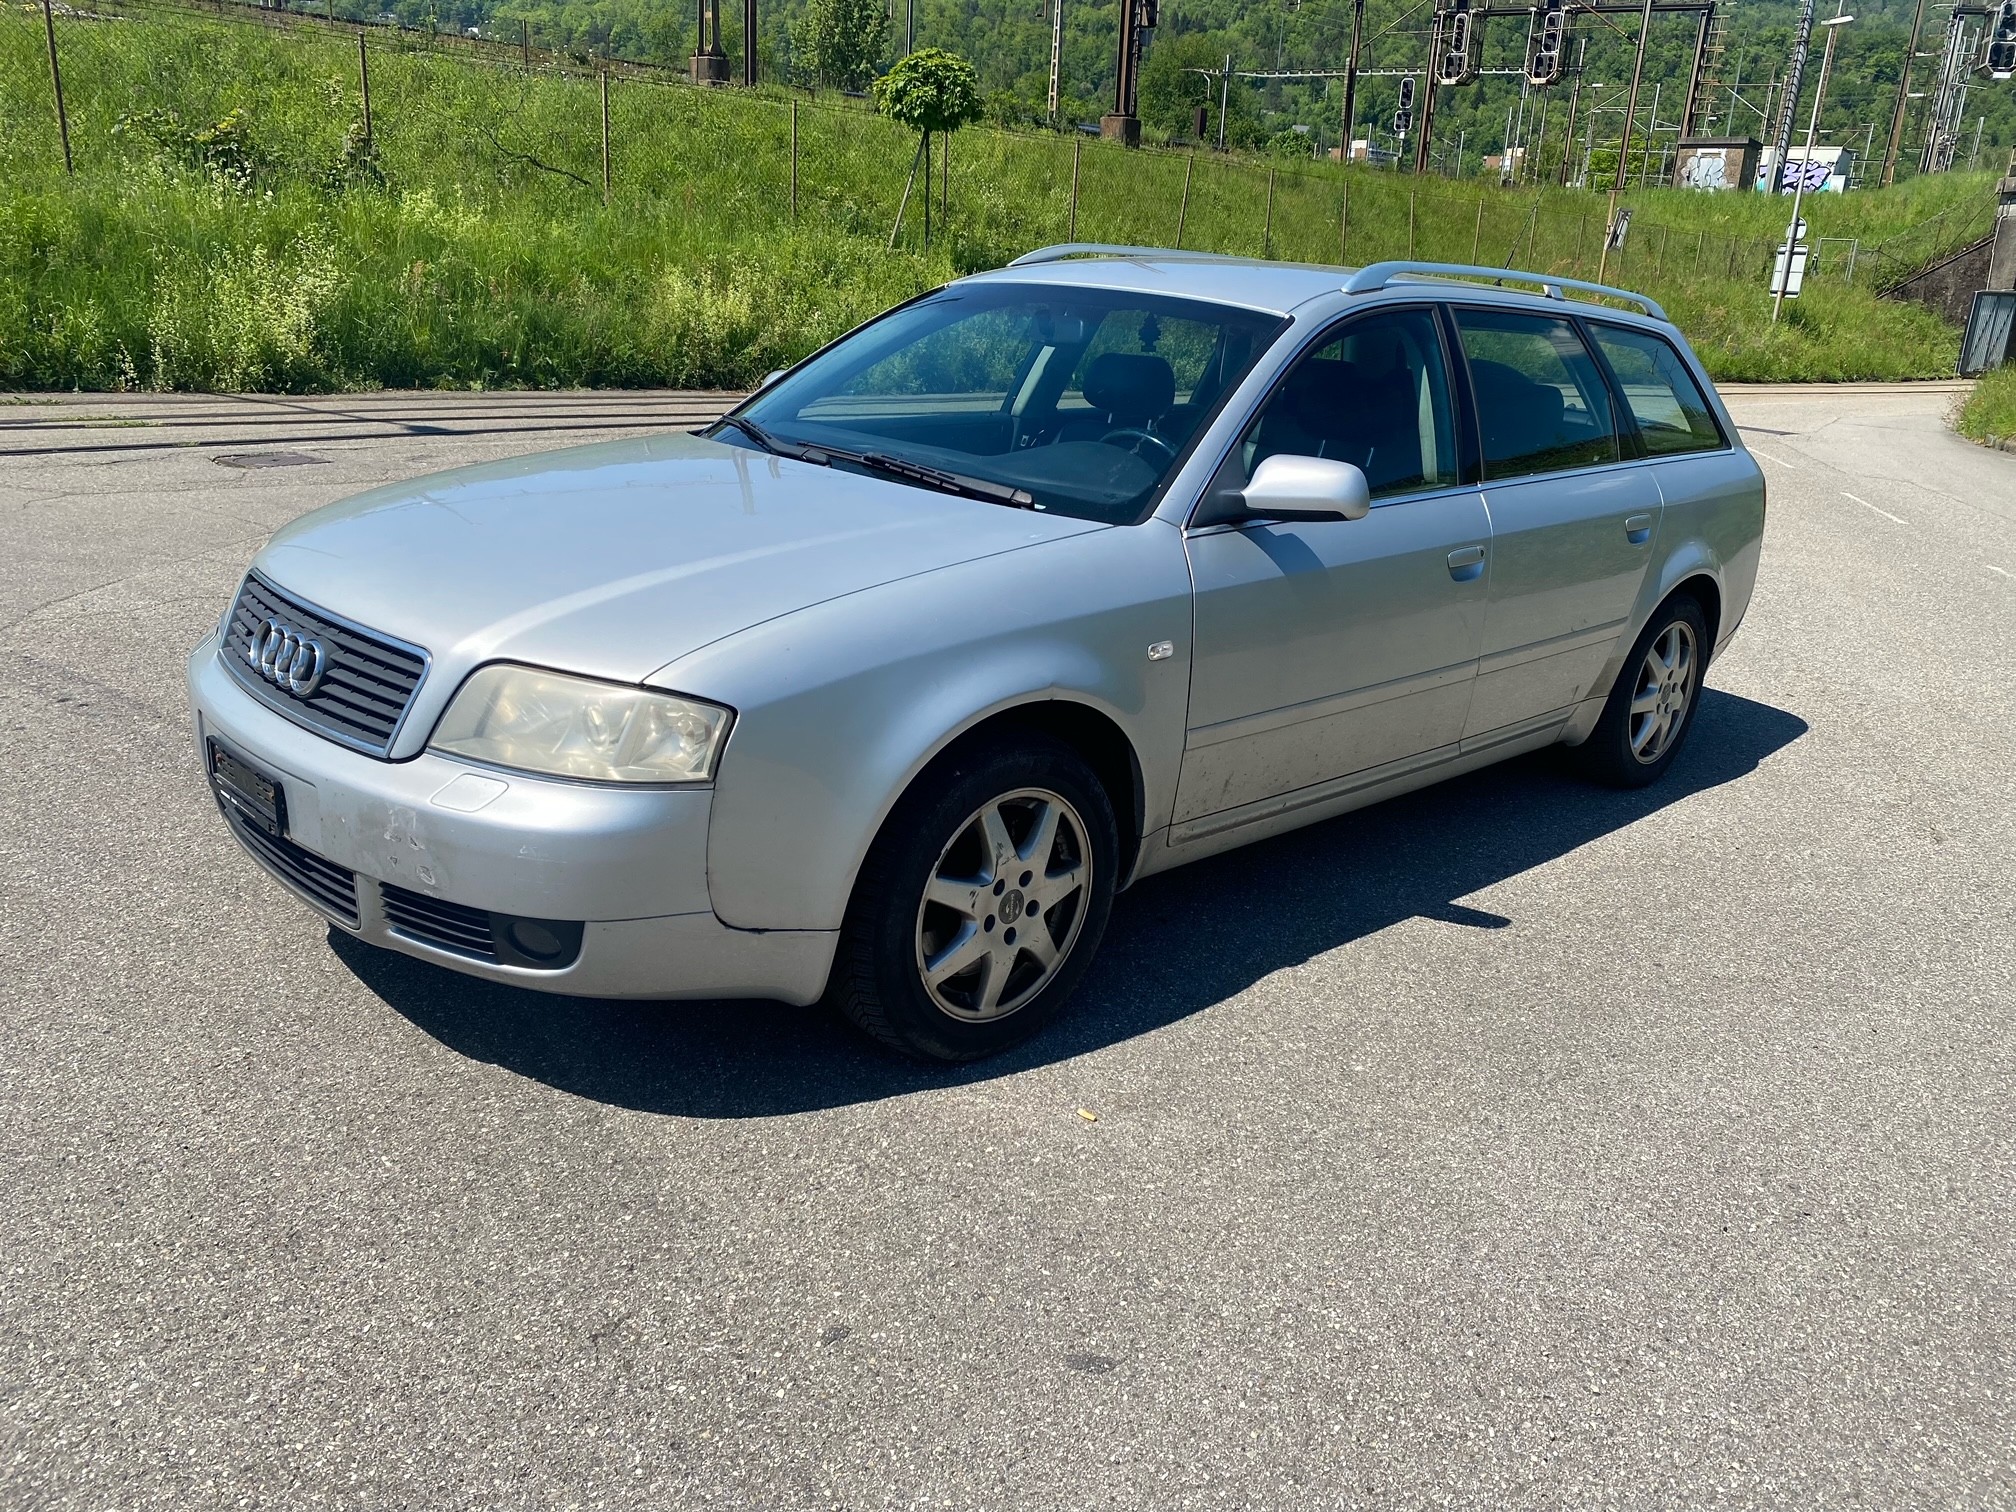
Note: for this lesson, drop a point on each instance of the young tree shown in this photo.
(843, 40)
(932, 90)
(1183, 72)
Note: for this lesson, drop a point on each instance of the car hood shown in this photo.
(614, 559)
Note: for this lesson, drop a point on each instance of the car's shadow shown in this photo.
(1178, 943)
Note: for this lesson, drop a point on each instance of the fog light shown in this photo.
(542, 943)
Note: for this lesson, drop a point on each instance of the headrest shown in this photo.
(1322, 391)
(1130, 385)
(1511, 401)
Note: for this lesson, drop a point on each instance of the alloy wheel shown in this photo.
(1665, 689)
(1003, 905)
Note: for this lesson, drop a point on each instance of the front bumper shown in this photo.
(630, 864)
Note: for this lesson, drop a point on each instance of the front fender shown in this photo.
(841, 705)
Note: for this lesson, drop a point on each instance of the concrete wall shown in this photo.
(1948, 287)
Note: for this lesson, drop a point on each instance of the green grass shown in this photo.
(1988, 414)
(488, 257)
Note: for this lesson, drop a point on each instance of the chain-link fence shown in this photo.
(263, 97)
(224, 195)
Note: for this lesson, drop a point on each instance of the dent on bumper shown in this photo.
(630, 863)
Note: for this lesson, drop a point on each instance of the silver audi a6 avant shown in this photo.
(880, 688)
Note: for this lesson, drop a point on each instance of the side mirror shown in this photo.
(771, 377)
(1305, 488)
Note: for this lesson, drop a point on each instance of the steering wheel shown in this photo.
(1130, 438)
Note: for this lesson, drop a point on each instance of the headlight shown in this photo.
(571, 727)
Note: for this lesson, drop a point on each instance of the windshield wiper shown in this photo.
(895, 467)
(760, 436)
(943, 481)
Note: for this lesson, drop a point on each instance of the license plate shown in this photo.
(248, 792)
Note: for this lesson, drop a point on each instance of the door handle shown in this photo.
(1466, 563)
(1638, 529)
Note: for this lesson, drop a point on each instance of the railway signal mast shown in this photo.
(1545, 43)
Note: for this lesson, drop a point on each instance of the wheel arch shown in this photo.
(1093, 734)
(1702, 587)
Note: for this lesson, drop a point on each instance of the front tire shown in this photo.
(981, 903)
(1651, 707)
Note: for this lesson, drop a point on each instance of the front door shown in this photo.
(1330, 648)
(1572, 518)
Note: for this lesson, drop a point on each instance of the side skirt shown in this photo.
(1214, 834)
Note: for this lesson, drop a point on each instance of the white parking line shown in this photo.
(1867, 505)
(1768, 457)
(1998, 571)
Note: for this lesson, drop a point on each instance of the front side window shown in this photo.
(1662, 396)
(1078, 401)
(1376, 396)
(1542, 404)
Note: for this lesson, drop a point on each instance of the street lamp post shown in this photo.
(1833, 25)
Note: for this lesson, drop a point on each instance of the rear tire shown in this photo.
(981, 903)
(1651, 708)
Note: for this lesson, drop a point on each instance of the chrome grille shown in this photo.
(330, 887)
(369, 682)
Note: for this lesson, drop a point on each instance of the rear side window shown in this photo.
(1542, 404)
(1661, 394)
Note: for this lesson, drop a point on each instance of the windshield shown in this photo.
(1075, 401)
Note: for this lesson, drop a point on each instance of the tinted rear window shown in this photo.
(1661, 394)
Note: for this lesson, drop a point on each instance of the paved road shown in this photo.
(1512, 1145)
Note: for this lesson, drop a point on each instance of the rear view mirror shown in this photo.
(1306, 488)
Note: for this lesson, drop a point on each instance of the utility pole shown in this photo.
(1795, 75)
(1429, 92)
(1056, 54)
(1574, 99)
(1124, 124)
(749, 43)
(1948, 100)
(1651, 132)
(1225, 100)
(1903, 97)
(1351, 78)
(1637, 76)
(1833, 25)
(1687, 116)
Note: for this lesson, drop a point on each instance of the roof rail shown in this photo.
(1379, 275)
(1065, 250)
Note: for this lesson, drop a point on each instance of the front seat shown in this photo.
(1129, 390)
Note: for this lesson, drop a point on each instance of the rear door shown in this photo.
(1573, 516)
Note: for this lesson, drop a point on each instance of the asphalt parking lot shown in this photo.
(1514, 1144)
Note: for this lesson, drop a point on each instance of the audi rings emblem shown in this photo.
(288, 659)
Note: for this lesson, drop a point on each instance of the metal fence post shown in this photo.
(1477, 236)
(364, 85)
(1411, 194)
(1077, 151)
(1267, 226)
(794, 161)
(1183, 210)
(605, 136)
(1344, 220)
(525, 43)
(56, 82)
